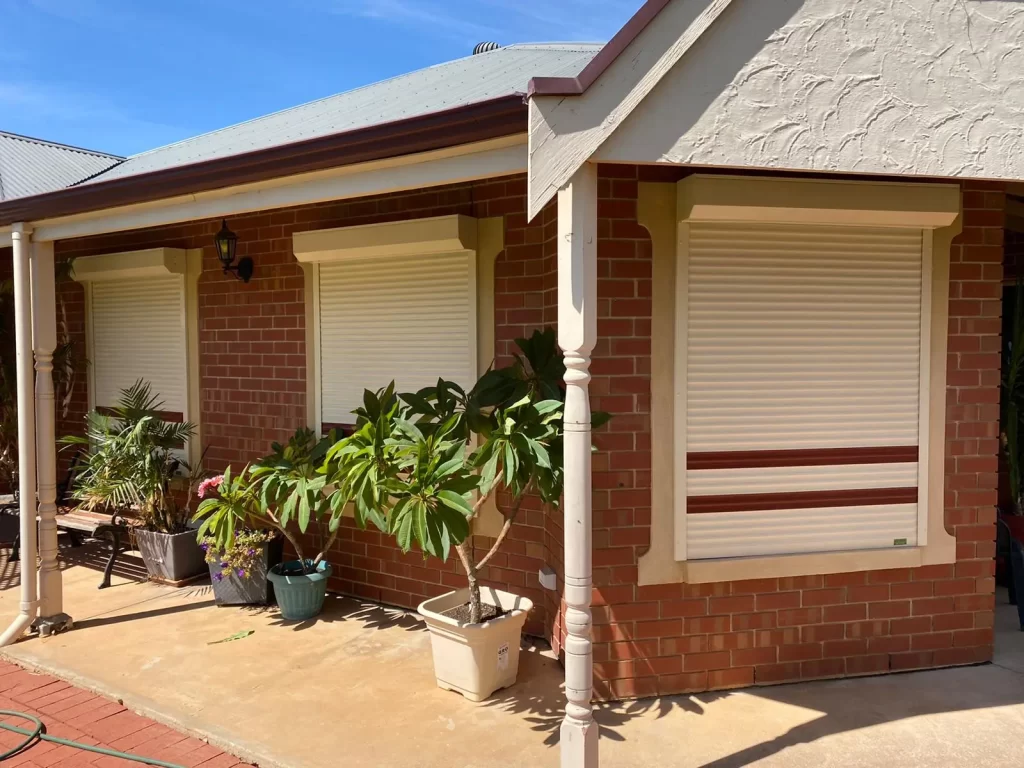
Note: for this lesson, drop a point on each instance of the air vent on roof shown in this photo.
(485, 48)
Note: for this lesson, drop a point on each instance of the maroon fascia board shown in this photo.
(495, 118)
(574, 86)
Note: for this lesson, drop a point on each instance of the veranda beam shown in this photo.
(577, 334)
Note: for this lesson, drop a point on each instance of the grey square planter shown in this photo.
(171, 558)
(254, 589)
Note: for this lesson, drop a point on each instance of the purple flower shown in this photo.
(241, 573)
(217, 577)
(251, 552)
(224, 565)
(205, 547)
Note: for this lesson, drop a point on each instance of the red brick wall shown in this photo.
(648, 640)
(253, 365)
(676, 638)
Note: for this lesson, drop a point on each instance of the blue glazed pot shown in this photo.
(300, 596)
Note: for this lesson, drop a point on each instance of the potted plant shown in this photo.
(282, 491)
(1012, 416)
(422, 465)
(238, 571)
(131, 456)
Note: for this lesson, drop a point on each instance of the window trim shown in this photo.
(664, 210)
(127, 266)
(421, 237)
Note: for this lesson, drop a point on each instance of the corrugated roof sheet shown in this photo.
(503, 72)
(32, 166)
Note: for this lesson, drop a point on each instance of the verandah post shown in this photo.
(22, 244)
(44, 342)
(577, 335)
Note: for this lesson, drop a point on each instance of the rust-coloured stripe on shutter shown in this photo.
(814, 457)
(761, 502)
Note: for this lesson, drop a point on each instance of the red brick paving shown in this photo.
(73, 713)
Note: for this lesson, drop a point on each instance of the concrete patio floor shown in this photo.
(356, 688)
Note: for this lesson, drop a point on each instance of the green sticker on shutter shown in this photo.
(899, 542)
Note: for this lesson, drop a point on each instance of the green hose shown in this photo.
(39, 734)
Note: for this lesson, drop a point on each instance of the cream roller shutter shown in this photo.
(408, 319)
(138, 332)
(800, 338)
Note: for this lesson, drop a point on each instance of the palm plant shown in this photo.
(130, 456)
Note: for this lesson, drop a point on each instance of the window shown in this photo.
(801, 368)
(141, 324)
(407, 319)
(409, 301)
(805, 326)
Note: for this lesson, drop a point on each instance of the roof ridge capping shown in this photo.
(575, 86)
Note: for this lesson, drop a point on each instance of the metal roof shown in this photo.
(31, 166)
(502, 72)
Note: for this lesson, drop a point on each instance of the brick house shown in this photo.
(780, 269)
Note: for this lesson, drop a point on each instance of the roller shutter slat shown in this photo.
(801, 337)
(138, 333)
(412, 322)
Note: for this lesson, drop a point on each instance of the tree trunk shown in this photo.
(466, 555)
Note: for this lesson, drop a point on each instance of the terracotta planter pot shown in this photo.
(476, 659)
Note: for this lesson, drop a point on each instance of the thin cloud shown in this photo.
(502, 20)
(416, 13)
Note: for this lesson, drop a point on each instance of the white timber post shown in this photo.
(22, 246)
(44, 341)
(577, 334)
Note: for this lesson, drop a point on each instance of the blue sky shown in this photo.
(125, 76)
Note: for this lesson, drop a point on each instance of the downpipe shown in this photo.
(26, 435)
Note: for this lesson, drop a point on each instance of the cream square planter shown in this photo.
(476, 659)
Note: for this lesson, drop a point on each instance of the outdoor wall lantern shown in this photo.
(227, 242)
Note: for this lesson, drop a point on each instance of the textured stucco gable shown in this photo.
(909, 87)
(922, 87)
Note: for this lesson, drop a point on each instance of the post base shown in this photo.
(51, 625)
(578, 744)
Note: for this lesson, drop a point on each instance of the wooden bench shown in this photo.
(79, 524)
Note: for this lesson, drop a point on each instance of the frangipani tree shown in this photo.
(422, 465)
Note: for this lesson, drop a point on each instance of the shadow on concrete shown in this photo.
(340, 608)
(855, 704)
(100, 621)
(540, 697)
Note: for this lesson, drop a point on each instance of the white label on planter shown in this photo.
(503, 657)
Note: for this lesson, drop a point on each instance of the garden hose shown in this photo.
(39, 734)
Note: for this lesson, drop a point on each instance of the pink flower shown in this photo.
(209, 485)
